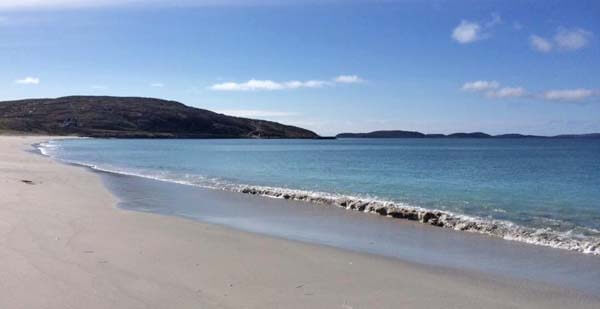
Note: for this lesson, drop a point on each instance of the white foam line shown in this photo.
(445, 219)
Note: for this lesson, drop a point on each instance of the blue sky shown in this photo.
(330, 66)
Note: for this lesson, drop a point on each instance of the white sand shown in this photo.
(64, 244)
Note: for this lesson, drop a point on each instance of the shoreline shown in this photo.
(335, 227)
(63, 238)
(501, 229)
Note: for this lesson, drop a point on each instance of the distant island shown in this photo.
(132, 117)
(137, 117)
(414, 134)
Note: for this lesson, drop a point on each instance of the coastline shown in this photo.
(63, 238)
(577, 238)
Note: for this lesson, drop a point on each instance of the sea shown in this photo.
(530, 206)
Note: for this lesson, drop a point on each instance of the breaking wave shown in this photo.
(567, 240)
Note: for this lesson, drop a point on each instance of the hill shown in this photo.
(413, 134)
(409, 134)
(383, 134)
(103, 116)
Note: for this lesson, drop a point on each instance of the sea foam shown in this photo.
(439, 218)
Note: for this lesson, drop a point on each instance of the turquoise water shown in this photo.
(547, 185)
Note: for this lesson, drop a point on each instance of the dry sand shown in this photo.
(64, 244)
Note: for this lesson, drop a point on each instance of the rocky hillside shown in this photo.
(133, 117)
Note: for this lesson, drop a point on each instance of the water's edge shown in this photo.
(439, 218)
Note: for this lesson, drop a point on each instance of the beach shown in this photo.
(65, 244)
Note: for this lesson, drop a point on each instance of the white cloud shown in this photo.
(269, 85)
(470, 31)
(572, 39)
(157, 85)
(578, 94)
(540, 44)
(348, 79)
(251, 113)
(294, 84)
(256, 85)
(480, 85)
(28, 81)
(507, 92)
(467, 32)
(564, 39)
(316, 84)
(492, 90)
(251, 85)
(307, 84)
(99, 87)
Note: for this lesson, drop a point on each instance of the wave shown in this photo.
(45, 147)
(567, 240)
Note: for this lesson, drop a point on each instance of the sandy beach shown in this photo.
(65, 244)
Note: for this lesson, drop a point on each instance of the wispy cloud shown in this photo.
(495, 20)
(507, 92)
(467, 32)
(307, 84)
(480, 85)
(471, 31)
(572, 39)
(493, 90)
(270, 85)
(157, 85)
(252, 84)
(578, 94)
(251, 113)
(348, 79)
(540, 44)
(28, 81)
(565, 39)
(99, 87)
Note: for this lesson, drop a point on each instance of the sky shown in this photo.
(330, 66)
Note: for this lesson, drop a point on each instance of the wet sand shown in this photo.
(65, 244)
(362, 232)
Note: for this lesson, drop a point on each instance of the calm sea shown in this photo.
(550, 186)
